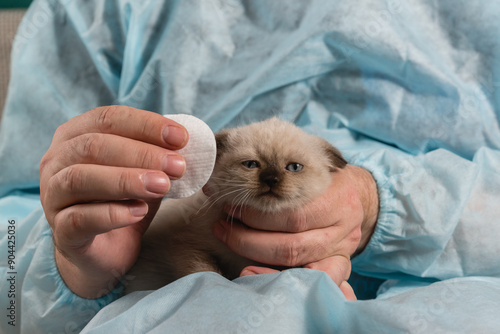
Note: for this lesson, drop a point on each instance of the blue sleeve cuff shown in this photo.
(45, 299)
(69, 297)
(385, 229)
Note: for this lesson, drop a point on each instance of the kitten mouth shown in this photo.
(270, 193)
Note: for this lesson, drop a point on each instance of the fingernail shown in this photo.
(247, 272)
(175, 136)
(220, 231)
(138, 209)
(174, 165)
(157, 183)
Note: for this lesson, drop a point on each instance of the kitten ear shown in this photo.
(334, 155)
(221, 139)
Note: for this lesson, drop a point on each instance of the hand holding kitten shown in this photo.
(309, 210)
(322, 235)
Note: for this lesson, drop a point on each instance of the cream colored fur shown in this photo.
(180, 240)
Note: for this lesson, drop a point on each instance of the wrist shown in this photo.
(82, 283)
(366, 187)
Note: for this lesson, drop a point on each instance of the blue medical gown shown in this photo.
(407, 90)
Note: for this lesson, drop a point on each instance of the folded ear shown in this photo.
(334, 155)
(221, 140)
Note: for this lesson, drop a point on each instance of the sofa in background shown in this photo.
(9, 21)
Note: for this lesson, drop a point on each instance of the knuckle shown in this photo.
(74, 219)
(61, 130)
(65, 222)
(147, 158)
(46, 191)
(353, 240)
(124, 182)
(44, 162)
(45, 178)
(105, 117)
(91, 146)
(348, 267)
(113, 214)
(356, 235)
(147, 128)
(236, 241)
(51, 218)
(289, 253)
(70, 179)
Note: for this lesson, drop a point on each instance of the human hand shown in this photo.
(322, 235)
(101, 183)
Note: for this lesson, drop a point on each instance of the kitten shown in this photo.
(271, 165)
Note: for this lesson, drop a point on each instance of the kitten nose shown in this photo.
(271, 180)
(269, 177)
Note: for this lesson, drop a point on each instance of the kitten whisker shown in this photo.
(228, 181)
(236, 199)
(220, 197)
(239, 200)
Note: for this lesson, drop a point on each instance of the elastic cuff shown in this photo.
(386, 211)
(67, 296)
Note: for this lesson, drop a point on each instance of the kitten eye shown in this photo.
(251, 164)
(294, 167)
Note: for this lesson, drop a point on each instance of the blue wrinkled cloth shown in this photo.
(407, 90)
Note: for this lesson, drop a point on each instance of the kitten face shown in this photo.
(271, 165)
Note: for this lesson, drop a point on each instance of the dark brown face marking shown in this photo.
(335, 157)
(221, 139)
(270, 176)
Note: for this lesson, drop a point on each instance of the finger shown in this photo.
(297, 220)
(345, 287)
(127, 122)
(254, 270)
(347, 290)
(90, 183)
(338, 267)
(113, 150)
(75, 226)
(338, 202)
(278, 248)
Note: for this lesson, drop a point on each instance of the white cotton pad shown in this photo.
(199, 153)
